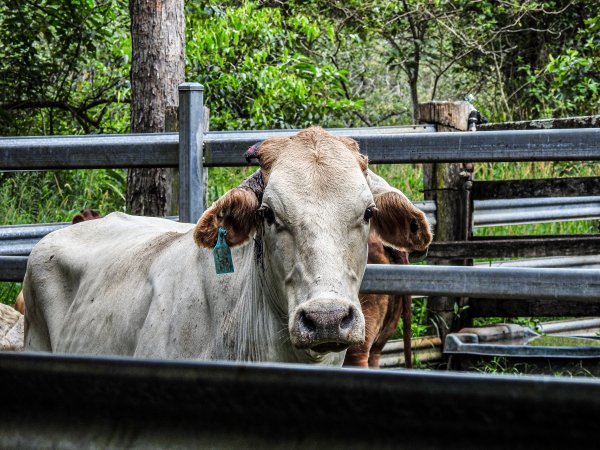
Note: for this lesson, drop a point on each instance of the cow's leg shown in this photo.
(389, 323)
(406, 329)
(357, 356)
(374, 308)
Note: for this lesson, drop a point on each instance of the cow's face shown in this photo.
(315, 216)
(310, 209)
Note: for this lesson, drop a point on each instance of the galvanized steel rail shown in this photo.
(503, 282)
(84, 402)
(495, 282)
(534, 210)
(12, 268)
(17, 240)
(388, 145)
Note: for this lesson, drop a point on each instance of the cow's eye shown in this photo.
(369, 213)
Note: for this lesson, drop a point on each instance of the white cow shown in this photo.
(298, 228)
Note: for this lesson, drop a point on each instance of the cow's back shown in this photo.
(88, 282)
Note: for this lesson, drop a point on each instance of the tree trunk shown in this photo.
(157, 68)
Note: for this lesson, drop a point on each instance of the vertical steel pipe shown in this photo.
(191, 118)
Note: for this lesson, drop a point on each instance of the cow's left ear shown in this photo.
(235, 211)
(396, 219)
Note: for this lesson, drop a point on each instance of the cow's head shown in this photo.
(310, 208)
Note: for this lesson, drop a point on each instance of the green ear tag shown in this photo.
(222, 254)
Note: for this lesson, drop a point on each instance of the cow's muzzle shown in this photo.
(327, 325)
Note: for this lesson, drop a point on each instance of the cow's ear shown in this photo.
(235, 211)
(396, 219)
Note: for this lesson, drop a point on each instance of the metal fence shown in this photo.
(81, 402)
(192, 149)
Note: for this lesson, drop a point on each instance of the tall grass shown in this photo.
(55, 196)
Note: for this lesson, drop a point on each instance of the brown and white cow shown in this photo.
(382, 313)
(298, 231)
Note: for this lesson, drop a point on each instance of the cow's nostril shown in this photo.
(347, 321)
(307, 323)
(414, 226)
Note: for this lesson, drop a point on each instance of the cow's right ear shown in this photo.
(396, 219)
(235, 212)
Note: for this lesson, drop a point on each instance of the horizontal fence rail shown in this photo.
(90, 151)
(18, 240)
(534, 210)
(589, 262)
(502, 282)
(522, 246)
(85, 402)
(12, 268)
(388, 145)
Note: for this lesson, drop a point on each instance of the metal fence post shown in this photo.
(191, 134)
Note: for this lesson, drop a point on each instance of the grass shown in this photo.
(501, 365)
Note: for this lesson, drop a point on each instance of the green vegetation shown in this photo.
(512, 366)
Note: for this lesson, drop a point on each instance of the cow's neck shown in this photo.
(253, 324)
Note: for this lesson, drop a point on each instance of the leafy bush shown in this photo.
(569, 84)
(255, 71)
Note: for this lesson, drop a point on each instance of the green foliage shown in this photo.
(9, 292)
(63, 66)
(569, 84)
(256, 72)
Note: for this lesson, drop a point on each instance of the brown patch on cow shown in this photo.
(268, 152)
(20, 303)
(86, 214)
(235, 211)
(271, 149)
(382, 313)
(400, 223)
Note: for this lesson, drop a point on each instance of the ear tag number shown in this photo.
(222, 254)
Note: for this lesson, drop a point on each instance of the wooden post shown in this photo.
(449, 185)
(172, 124)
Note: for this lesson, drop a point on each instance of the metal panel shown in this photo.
(402, 147)
(521, 283)
(89, 152)
(84, 402)
(12, 268)
(385, 145)
(191, 116)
